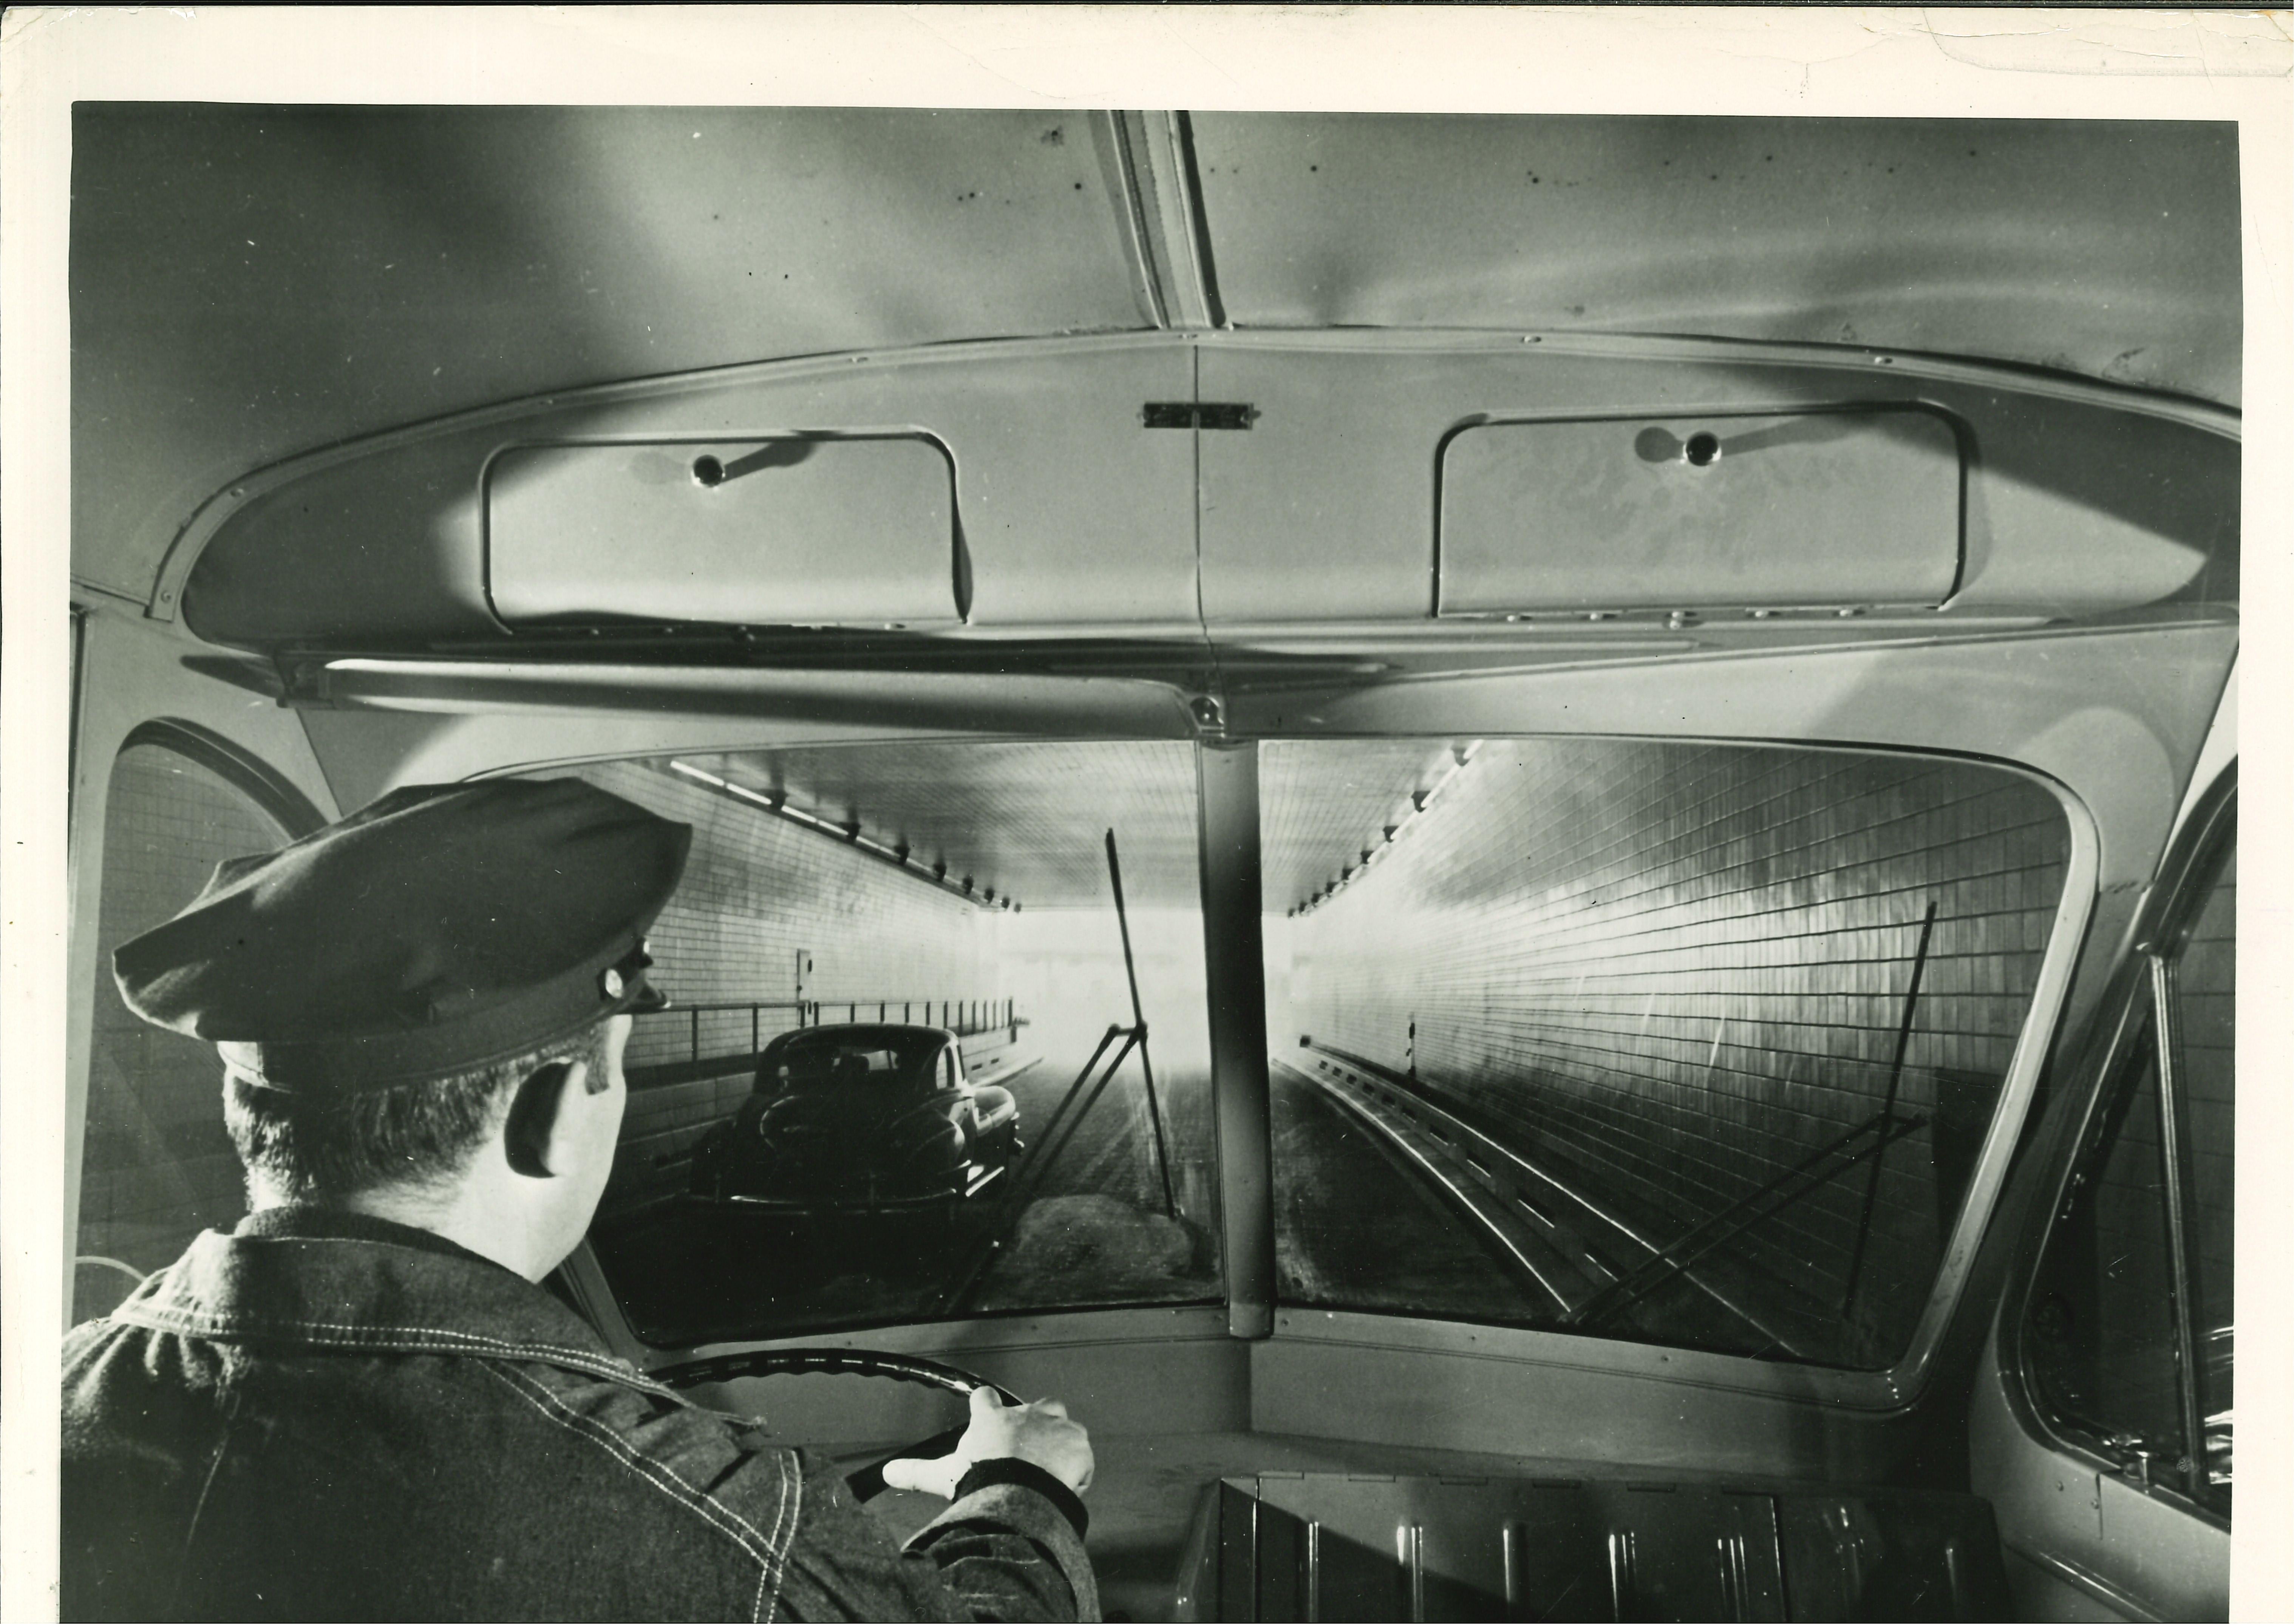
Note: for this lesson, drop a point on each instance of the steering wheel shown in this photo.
(868, 1481)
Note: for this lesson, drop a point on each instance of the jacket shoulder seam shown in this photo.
(768, 1551)
(388, 1339)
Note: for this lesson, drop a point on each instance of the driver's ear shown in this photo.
(535, 1139)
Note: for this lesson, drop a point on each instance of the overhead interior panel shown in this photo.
(1384, 481)
(249, 282)
(794, 529)
(1798, 509)
(838, 484)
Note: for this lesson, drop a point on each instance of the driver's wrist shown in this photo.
(1019, 1473)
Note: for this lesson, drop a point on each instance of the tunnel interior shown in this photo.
(1687, 1043)
(961, 887)
(1710, 1037)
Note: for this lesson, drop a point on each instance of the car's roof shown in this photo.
(874, 1032)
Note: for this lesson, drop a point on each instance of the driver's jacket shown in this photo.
(324, 1415)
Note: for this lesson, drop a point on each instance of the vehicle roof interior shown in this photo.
(499, 253)
(303, 338)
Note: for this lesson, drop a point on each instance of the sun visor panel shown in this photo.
(1800, 510)
(788, 531)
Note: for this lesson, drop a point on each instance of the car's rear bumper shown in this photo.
(783, 1206)
(842, 1205)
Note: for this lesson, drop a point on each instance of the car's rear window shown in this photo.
(871, 1060)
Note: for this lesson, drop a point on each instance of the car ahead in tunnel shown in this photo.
(858, 1122)
(1667, 691)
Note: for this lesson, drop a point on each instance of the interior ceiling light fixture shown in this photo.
(1459, 757)
(846, 833)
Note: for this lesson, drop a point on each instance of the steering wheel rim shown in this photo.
(868, 1481)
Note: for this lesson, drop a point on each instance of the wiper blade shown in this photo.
(1730, 1222)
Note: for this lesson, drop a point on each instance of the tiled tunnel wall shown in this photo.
(758, 891)
(1676, 970)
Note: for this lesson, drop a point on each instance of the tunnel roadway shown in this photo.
(1385, 1200)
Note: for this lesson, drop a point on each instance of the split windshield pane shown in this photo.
(898, 1080)
(1687, 1044)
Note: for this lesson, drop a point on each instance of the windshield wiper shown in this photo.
(1060, 1128)
(1888, 1109)
(1692, 1247)
(1724, 1226)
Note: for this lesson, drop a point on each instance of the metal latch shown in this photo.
(1198, 414)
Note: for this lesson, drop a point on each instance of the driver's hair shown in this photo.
(420, 1135)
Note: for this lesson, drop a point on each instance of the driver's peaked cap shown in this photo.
(443, 928)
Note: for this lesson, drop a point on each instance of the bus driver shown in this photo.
(360, 1403)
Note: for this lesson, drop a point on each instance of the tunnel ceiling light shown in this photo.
(1460, 754)
(847, 834)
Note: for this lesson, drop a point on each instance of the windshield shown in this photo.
(836, 901)
(1681, 1042)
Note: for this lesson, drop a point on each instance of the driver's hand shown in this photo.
(1040, 1433)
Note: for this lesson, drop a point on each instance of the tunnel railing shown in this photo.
(686, 1041)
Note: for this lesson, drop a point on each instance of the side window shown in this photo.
(2205, 1006)
(2128, 1337)
(156, 1167)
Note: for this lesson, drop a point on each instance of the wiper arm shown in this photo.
(1696, 1245)
(1716, 1231)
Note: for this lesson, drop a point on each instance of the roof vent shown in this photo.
(796, 530)
(1857, 506)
